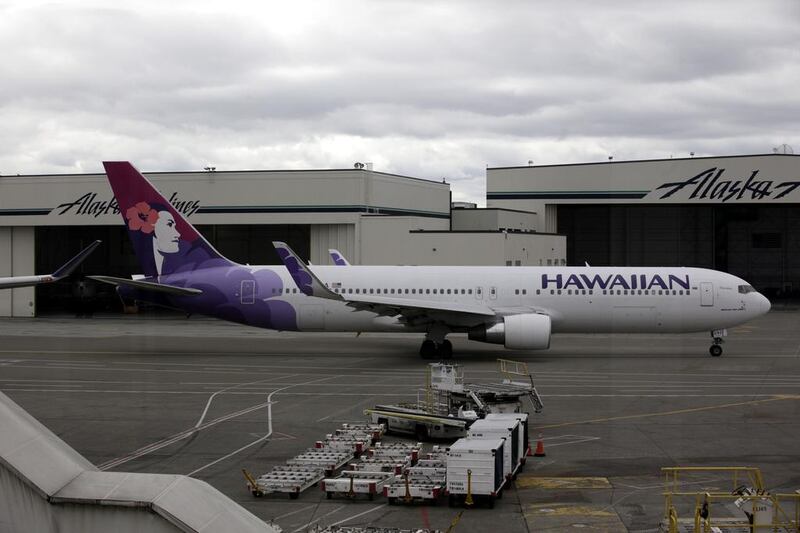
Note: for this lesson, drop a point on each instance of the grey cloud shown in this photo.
(428, 89)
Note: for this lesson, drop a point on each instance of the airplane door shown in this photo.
(247, 292)
(479, 293)
(706, 294)
(493, 293)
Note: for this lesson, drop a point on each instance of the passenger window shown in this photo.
(427, 291)
(392, 291)
(463, 291)
(524, 291)
(469, 291)
(538, 291)
(620, 292)
(516, 291)
(448, 291)
(591, 292)
(674, 292)
(559, 292)
(552, 291)
(604, 291)
(583, 291)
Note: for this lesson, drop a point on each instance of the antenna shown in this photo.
(783, 149)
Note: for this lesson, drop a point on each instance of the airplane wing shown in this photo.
(413, 311)
(338, 258)
(65, 270)
(148, 286)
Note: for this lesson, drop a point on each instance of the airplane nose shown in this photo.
(764, 304)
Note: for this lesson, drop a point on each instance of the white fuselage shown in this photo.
(577, 299)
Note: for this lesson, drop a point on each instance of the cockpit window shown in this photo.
(744, 289)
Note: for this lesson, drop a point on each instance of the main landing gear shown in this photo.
(716, 346)
(436, 350)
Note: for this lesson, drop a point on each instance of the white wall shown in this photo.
(326, 236)
(17, 259)
(5, 270)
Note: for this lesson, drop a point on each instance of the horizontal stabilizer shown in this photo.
(149, 286)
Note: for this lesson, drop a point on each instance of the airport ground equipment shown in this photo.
(396, 451)
(285, 479)
(504, 429)
(342, 443)
(409, 420)
(371, 432)
(424, 482)
(475, 471)
(447, 406)
(352, 483)
(739, 503)
(523, 442)
(328, 460)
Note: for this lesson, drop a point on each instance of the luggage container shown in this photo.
(351, 483)
(475, 471)
(524, 442)
(379, 465)
(507, 429)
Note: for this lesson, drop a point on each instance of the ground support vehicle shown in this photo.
(351, 483)
(285, 479)
(380, 465)
(424, 482)
(475, 471)
(504, 429)
(328, 460)
(418, 422)
(371, 432)
(342, 443)
(397, 451)
(523, 442)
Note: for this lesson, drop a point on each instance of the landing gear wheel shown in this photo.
(715, 350)
(428, 349)
(446, 349)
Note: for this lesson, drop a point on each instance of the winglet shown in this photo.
(338, 258)
(306, 280)
(73, 263)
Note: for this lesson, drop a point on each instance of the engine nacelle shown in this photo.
(517, 332)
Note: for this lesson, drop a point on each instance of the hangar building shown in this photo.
(371, 217)
(739, 214)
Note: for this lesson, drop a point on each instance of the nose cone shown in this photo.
(763, 304)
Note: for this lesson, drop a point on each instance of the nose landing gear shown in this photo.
(716, 347)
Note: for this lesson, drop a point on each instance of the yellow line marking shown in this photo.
(668, 413)
(531, 481)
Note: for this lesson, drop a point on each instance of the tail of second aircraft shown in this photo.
(164, 242)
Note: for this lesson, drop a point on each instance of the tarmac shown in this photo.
(168, 394)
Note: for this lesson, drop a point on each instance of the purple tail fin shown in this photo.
(165, 243)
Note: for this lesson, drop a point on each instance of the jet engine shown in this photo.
(517, 332)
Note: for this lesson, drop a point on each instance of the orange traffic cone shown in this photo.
(539, 448)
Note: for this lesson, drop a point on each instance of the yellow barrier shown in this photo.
(783, 518)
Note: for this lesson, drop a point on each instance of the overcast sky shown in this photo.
(422, 88)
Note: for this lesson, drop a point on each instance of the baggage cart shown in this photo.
(285, 479)
(328, 460)
(351, 483)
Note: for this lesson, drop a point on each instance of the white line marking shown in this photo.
(359, 514)
(294, 512)
(261, 439)
(211, 399)
(337, 509)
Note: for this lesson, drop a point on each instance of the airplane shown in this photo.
(517, 307)
(67, 269)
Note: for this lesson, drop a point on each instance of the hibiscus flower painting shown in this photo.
(141, 217)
